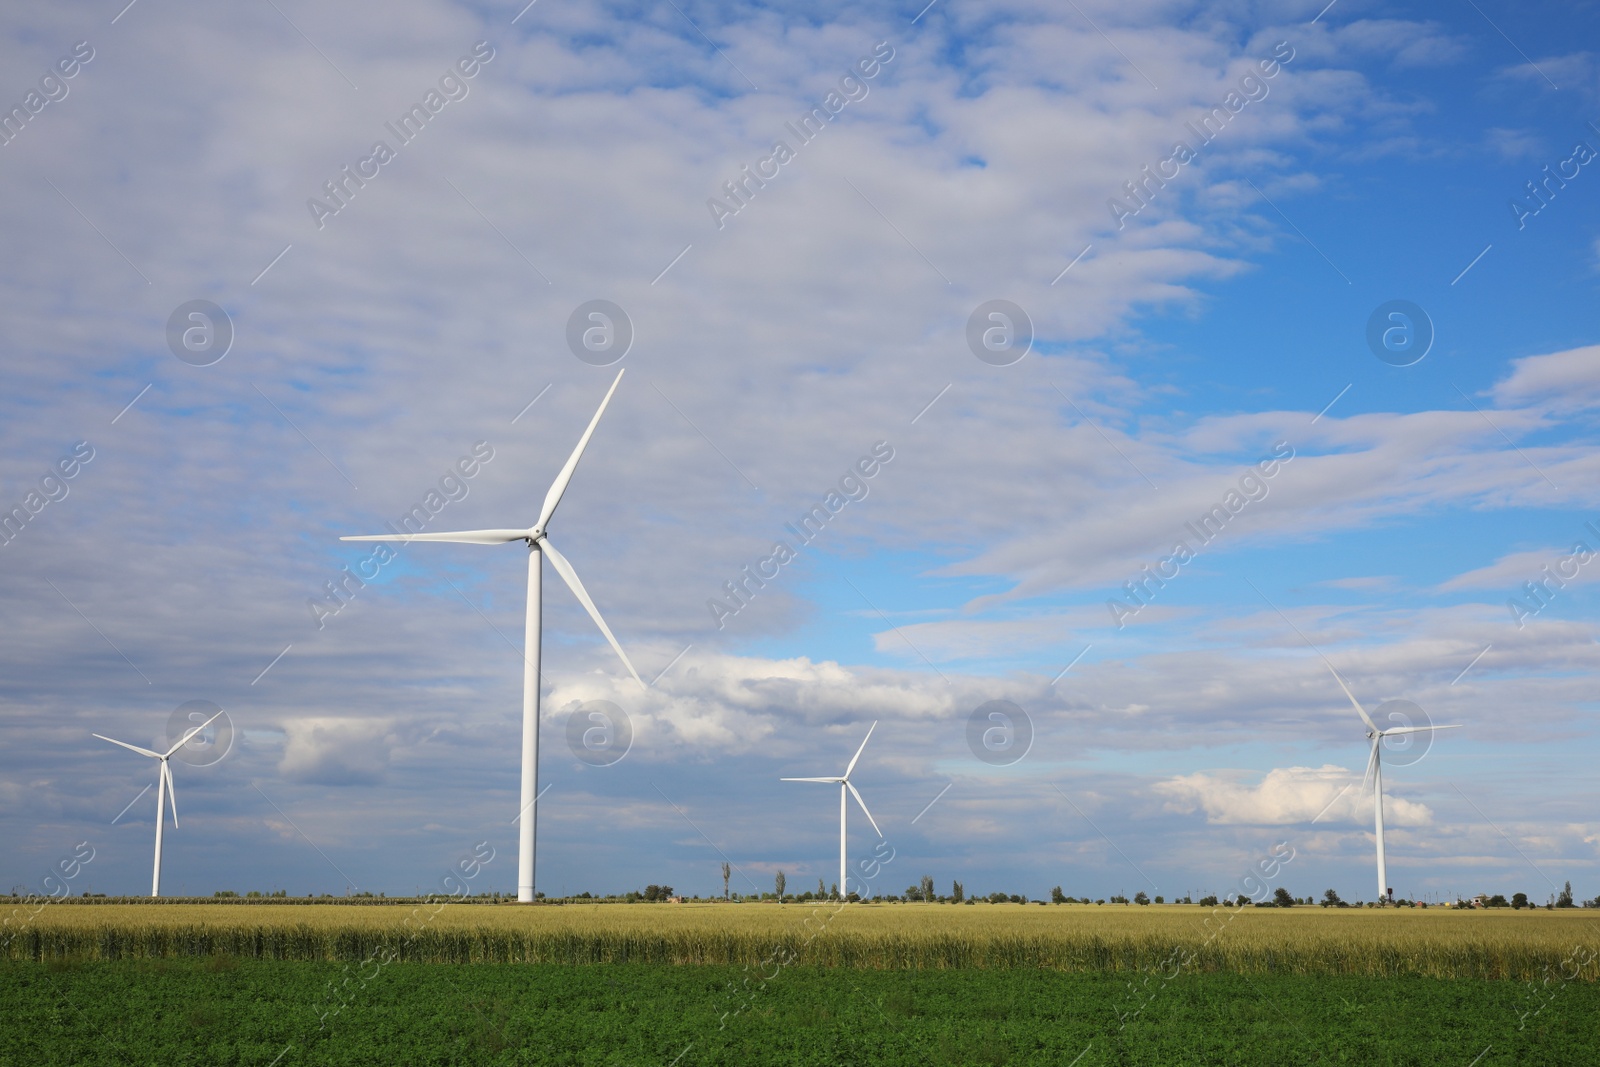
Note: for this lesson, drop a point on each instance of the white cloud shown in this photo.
(1287, 795)
(327, 751)
(1562, 380)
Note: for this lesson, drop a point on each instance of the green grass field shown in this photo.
(223, 1011)
(796, 984)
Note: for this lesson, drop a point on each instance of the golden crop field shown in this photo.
(1435, 942)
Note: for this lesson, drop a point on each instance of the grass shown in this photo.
(222, 1011)
(1432, 943)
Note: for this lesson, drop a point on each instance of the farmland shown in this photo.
(1433, 943)
(797, 984)
(226, 1011)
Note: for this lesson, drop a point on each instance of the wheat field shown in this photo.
(1435, 942)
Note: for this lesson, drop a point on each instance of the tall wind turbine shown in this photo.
(539, 546)
(1375, 772)
(844, 783)
(166, 793)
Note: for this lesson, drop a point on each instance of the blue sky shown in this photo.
(428, 314)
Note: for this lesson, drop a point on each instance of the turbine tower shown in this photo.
(166, 792)
(539, 546)
(844, 783)
(1375, 772)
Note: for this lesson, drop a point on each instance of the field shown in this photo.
(746, 984)
(1433, 943)
(224, 1011)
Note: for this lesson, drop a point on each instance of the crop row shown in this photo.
(1508, 958)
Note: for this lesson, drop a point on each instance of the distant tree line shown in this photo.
(924, 891)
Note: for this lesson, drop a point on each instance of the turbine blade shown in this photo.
(863, 804)
(1359, 709)
(1418, 729)
(559, 486)
(189, 733)
(464, 537)
(860, 750)
(570, 576)
(131, 748)
(172, 791)
(1372, 761)
(829, 781)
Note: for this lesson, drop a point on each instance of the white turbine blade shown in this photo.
(830, 781)
(172, 792)
(1359, 709)
(189, 733)
(570, 576)
(131, 748)
(559, 486)
(463, 537)
(1418, 729)
(860, 750)
(863, 804)
(1372, 761)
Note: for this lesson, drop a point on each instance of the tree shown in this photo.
(1057, 896)
(1564, 900)
(834, 891)
(1208, 902)
(1141, 898)
(1498, 901)
(727, 869)
(778, 882)
(927, 888)
(822, 890)
(958, 892)
(1519, 900)
(1330, 899)
(1281, 898)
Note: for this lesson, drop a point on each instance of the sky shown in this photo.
(1196, 351)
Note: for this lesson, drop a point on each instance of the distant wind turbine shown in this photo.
(844, 783)
(1375, 772)
(166, 793)
(539, 546)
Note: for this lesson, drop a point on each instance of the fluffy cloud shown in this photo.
(342, 751)
(1287, 795)
(1563, 380)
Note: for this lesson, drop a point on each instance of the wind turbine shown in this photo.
(166, 793)
(1375, 772)
(844, 783)
(539, 546)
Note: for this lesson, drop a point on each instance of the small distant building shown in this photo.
(674, 900)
